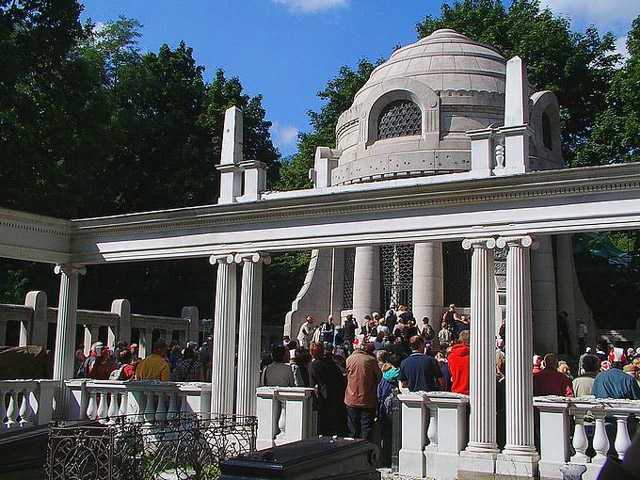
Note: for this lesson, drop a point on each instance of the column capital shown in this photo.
(253, 257)
(486, 242)
(526, 241)
(70, 269)
(226, 258)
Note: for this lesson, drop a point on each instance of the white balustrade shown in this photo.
(142, 400)
(24, 403)
(284, 415)
(433, 450)
(589, 415)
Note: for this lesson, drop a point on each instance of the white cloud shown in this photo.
(615, 15)
(284, 135)
(313, 6)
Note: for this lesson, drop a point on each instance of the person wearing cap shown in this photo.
(583, 385)
(450, 318)
(363, 376)
(633, 371)
(306, 332)
(155, 366)
(537, 364)
(614, 383)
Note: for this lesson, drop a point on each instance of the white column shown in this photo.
(250, 331)
(122, 307)
(428, 282)
(224, 335)
(23, 339)
(519, 448)
(543, 291)
(193, 314)
(145, 342)
(66, 323)
(366, 282)
(482, 447)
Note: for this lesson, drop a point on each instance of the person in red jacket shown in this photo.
(458, 361)
(551, 382)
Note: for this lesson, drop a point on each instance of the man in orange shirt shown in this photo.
(155, 366)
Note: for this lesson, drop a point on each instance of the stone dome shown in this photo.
(410, 117)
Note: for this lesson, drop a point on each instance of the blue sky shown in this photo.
(287, 50)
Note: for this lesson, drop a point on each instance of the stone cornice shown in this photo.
(29, 222)
(552, 183)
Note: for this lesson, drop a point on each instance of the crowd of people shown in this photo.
(165, 363)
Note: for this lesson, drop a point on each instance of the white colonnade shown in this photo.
(482, 448)
(224, 334)
(428, 282)
(366, 285)
(519, 448)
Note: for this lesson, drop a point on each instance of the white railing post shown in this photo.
(268, 412)
(554, 435)
(25, 409)
(580, 440)
(452, 434)
(411, 457)
(12, 409)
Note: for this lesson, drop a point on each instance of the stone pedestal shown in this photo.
(428, 283)
(366, 282)
(478, 459)
(250, 329)
(37, 300)
(224, 335)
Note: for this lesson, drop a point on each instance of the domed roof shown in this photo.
(446, 61)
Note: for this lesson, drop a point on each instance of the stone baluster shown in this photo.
(248, 377)
(92, 405)
(173, 412)
(113, 406)
(622, 442)
(25, 408)
(124, 398)
(268, 409)
(482, 448)
(432, 429)
(103, 407)
(3, 408)
(161, 412)
(519, 446)
(282, 419)
(580, 441)
(184, 405)
(600, 439)
(149, 410)
(12, 409)
(224, 334)
(411, 456)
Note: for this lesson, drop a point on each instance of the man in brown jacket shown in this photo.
(363, 376)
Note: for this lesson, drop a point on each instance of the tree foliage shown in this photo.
(615, 136)
(338, 95)
(90, 125)
(576, 66)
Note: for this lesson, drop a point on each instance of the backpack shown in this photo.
(83, 369)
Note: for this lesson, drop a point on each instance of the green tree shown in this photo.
(616, 134)
(338, 95)
(576, 66)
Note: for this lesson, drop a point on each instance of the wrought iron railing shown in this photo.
(187, 447)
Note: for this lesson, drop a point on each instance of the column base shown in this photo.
(476, 464)
(522, 465)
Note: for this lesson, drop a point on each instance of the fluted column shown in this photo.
(428, 282)
(66, 322)
(482, 379)
(224, 335)
(250, 331)
(366, 282)
(518, 351)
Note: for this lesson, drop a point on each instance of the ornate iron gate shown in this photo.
(188, 447)
(349, 269)
(396, 267)
(457, 274)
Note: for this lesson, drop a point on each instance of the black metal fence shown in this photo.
(188, 447)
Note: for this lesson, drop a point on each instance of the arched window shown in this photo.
(546, 131)
(400, 119)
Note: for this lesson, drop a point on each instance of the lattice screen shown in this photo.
(400, 119)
